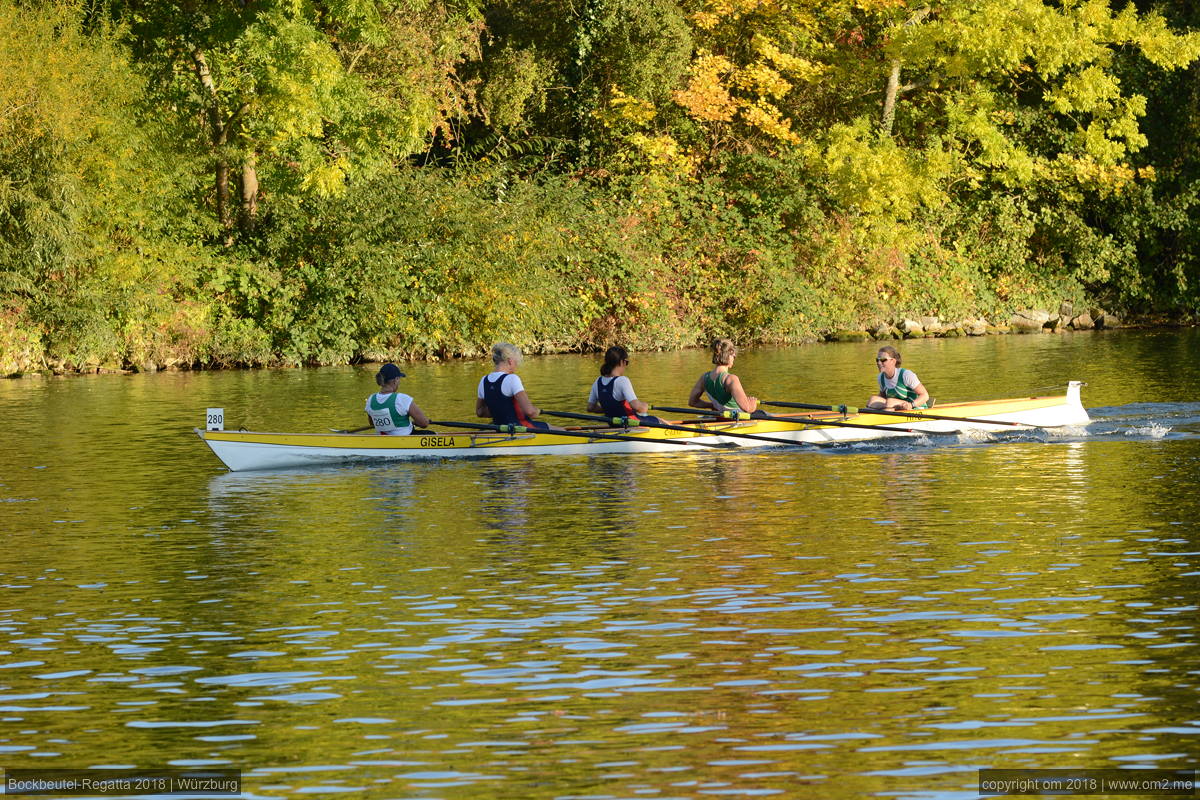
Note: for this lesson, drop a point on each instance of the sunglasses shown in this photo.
(882, 360)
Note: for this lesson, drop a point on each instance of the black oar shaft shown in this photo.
(805, 421)
(839, 424)
(617, 421)
(914, 414)
(512, 429)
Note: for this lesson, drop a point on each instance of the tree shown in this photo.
(289, 100)
(552, 69)
(92, 251)
(1013, 91)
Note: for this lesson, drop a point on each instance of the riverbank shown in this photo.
(1066, 320)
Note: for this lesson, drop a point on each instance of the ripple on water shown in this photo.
(859, 623)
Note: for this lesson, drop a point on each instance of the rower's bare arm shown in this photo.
(922, 397)
(527, 407)
(481, 409)
(696, 398)
(745, 402)
(639, 406)
(418, 416)
(595, 408)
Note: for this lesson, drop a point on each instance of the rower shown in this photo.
(390, 412)
(899, 389)
(724, 389)
(501, 394)
(612, 393)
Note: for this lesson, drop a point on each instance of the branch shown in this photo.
(204, 75)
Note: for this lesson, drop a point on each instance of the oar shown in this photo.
(839, 424)
(804, 421)
(914, 414)
(635, 422)
(578, 434)
(354, 430)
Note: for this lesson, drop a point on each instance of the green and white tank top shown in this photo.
(902, 386)
(714, 386)
(389, 413)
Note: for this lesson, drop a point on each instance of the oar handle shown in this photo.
(479, 426)
(620, 422)
(726, 414)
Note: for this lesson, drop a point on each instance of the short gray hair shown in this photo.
(503, 351)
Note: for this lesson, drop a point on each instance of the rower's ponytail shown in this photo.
(612, 358)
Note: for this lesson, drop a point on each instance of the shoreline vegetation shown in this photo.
(188, 186)
(1025, 322)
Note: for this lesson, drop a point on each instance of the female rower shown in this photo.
(501, 394)
(724, 389)
(899, 389)
(390, 412)
(612, 393)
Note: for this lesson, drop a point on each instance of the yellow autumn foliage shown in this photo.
(706, 98)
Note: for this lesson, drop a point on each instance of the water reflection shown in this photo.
(504, 497)
(877, 620)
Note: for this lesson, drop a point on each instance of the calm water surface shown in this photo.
(865, 621)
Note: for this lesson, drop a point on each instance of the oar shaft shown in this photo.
(668, 426)
(836, 423)
(615, 421)
(914, 414)
(806, 421)
(628, 422)
(512, 429)
(732, 434)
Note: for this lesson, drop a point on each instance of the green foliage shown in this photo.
(280, 182)
(90, 205)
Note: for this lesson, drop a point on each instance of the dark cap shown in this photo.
(389, 372)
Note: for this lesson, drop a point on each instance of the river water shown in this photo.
(879, 620)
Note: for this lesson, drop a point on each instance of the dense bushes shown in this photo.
(184, 189)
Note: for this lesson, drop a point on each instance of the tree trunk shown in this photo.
(889, 99)
(221, 186)
(218, 136)
(894, 89)
(249, 210)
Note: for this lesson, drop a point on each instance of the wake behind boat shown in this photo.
(249, 450)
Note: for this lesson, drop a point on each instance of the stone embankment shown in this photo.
(1067, 318)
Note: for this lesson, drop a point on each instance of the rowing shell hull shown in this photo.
(248, 450)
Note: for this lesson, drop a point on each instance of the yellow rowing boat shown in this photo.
(251, 450)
